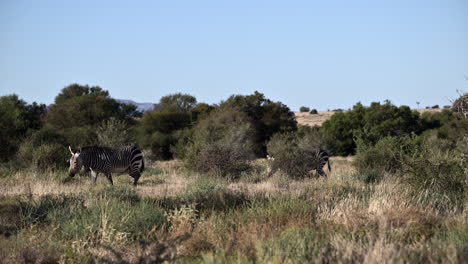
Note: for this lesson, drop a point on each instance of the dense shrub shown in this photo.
(438, 170)
(166, 129)
(386, 155)
(44, 150)
(268, 117)
(304, 109)
(79, 110)
(16, 119)
(370, 124)
(222, 144)
(426, 163)
(295, 153)
(313, 112)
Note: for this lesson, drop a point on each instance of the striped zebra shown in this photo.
(320, 158)
(108, 160)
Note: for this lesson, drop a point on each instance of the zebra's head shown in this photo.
(75, 162)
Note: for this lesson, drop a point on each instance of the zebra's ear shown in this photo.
(71, 151)
(79, 150)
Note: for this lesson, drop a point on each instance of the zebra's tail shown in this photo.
(329, 167)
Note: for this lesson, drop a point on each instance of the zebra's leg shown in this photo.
(320, 172)
(135, 177)
(94, 175)
(109, 178)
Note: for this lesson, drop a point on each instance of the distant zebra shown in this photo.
(321, 157)
(108, 160)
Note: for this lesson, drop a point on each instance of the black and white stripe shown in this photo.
(109, 160)
(321, 157)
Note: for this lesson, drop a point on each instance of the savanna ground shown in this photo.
(181, 217)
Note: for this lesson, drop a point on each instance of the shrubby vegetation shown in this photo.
(295, 152)
(222, 144)
(79, 110)
(370, 124)
(268, 117)
(17, 119)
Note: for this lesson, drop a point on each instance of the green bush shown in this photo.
(166, 129)
(438, 170)
(304, 109)
(222, 144)
(16, 119)
(296, 153)
(387, 156)
(79, 110)
(370, 124)
(44, 150)
(313, 112)
(268, 117)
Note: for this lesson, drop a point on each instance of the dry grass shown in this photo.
(278, 220)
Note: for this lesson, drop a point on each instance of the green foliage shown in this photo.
(387, 155)
(84, 108)
(439, 170)
(177, 102)
(166, 129)
(295, 153)
(16, 119)
(267, 116)
(370, 124)
(222, 144)
(304, 109)
(313, 112)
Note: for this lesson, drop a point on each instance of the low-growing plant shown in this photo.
(294, 245)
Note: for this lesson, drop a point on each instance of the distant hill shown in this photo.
(142, 107)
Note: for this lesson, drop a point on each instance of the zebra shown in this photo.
(107, 160)
(318, 157)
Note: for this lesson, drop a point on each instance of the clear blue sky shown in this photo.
(322, 54)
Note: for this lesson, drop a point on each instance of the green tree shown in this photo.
(267, 116)
(304, 109)
(17, 119)
(164, 129)
(79, 110)
(369, 124)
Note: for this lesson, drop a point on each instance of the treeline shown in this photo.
(217, 139)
